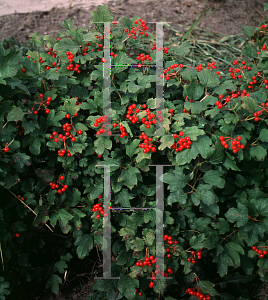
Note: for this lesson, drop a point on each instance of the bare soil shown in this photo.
(45, 16)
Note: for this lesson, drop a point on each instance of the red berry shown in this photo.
(61, 177)
(6, 149)
(17, 235)
(68, 116)
(79, 131)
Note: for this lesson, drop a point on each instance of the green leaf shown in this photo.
(249, 104)
(249, 51)
(264, 135)
(233, 250)
(217, 155)
(182, 49)
(102, 14)
(213, 177)
(68, 24)
(194, 90)
(53, 282)
(123, 198)
(129, 177)
(85, 245)
(102, 143)
(133, 148)
(150, 238)
(207, 287)
(208, 79)
(223, 265)
(258, 152)
(16, 115)
(227, 85)
(238, 216)
(221, 225)
(4, 285)
(193, 132)
(9, 63)
(197, 241)
(249, 31)
(137, 244)
(229, 162)
(265, 6)
(127, 285)
(166, 142)
(60, 266)
(66, 44)
(175, 180)
(70, 106)
(20, 159)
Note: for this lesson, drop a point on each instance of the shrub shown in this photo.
(209, 133)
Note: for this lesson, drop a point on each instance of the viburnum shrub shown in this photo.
(213, 152)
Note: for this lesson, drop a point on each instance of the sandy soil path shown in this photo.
(21, 6)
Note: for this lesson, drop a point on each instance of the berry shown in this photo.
(61, 177)
(79, 131)
(17, 235)
(68, 116)
(6, 149)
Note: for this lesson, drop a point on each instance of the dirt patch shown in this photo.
(223, 17)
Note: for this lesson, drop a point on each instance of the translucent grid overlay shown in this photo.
(107, 253)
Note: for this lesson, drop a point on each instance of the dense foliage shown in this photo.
(215, 144)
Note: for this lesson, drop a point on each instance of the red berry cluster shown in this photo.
(165, 50)
(57, 185)
(185, 111)
(170, 242)
(147, 146)
(122, 131)
(223, 102)
(50, 52)
(146, 261)
(134, 30)
(20, 129)
(193, 256)
(67, 128)
(99, 208)
(184, 143)
(167, 76)
(236, 146)
(264, 107)
(71, 67)
(99, 156)
(102, 121)
(260, 252)
(85, 49)
(142, 57)
(233, 71)
(140, 293)
(149, 115)
(42, 103)
(112, 54)
(21, 198)
(198, 294)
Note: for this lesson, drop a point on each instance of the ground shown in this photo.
(20, 19)
(45, 16)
